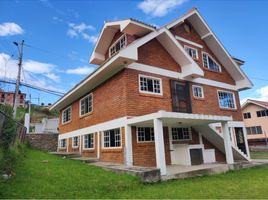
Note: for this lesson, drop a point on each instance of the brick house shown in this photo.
(255, 114)
(8, 98)
(160, 96)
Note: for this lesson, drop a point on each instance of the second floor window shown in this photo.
(226, 100)
(262, 113)
(86, 105)
(191, 51)
(253, 130)
(145, 134)
(210, 63)
(66, 115)
(247, 115)
(150, 85)
(118, 45)
(198, 91)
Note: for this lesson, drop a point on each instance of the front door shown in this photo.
(181, 101)
(240, 140)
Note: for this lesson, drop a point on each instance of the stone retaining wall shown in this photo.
(43, 141)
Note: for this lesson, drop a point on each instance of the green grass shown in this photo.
(62, 178)
(259, 155)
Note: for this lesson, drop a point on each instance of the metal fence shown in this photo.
(20, 129)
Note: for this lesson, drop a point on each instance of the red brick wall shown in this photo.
(144, 153)
(220, 157)
(223, 76)
(153, 53)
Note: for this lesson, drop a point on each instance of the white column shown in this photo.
(171, 146)
(246, 141)
(227, 143)
(67, 143)
(159, 146)
(98, 141)
(81, 144)
(128, 146)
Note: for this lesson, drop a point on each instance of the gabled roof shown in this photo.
(129, 26)
(263, 104)
(129, 54)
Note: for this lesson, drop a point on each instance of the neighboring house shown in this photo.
(157, 97)
(255, 115)
(46, 126)
(8, 98)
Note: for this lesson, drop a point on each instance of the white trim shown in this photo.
(153, 78)
(207, 54)
(191, 48)
(202, 91)
(92, 148)
(128, 146)
(188, 41)
(91, 104)
(234, 99)
(125, 36)
(118, 147)
(75, 147)
(62, 115)
(177, 75)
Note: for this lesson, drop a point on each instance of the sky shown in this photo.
(60, 37)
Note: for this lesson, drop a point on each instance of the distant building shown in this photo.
(255, 115)
(8, 98)
(46, 126)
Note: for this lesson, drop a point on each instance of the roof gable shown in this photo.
(262, 104)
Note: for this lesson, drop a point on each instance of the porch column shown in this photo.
(227, 143)
(81, 145)
(246, 141)
(159, 146)
(128, 146)
(98, 144)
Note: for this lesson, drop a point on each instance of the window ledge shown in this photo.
(199, 98)
(209, 70)
(86, 115)
(88, 149)
(151, 95)
(229, 109)
(112, 149)
(63, 124)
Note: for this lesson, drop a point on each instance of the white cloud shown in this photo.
(76, 30)
(159, 8)
(85, 70)
(260, 94)
(10, 28)
(35, 73)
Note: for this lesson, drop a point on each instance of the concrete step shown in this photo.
(66, 154)
(85, 159)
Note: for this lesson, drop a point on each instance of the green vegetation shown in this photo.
(41, 175)
(259, 155)
(40, 112)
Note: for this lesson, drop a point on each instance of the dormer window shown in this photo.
(118, 45)
(210, 63)
(191, 51)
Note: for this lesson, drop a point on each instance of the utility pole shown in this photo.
(20, 47)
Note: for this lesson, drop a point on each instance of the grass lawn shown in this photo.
(61, 178)
(259, 155)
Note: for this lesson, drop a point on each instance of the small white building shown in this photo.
(47, 126)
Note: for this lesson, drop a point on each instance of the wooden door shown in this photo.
(181, 101)
(196, 156)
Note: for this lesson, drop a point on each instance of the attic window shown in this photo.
(118, 45)
(210, 63)
(191, 51)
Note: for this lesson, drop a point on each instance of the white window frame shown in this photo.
(235, 107)
(196, 51)
(114, 44)
(66, 143)
(118, 147)
(73, 142)
(181, 140)
(154, 78)
(62, 115)
(90, 148)
(137, 135)
(81, 115)
(208, 62)
(202, 91)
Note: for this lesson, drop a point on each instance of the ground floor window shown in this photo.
(112, 138)
(75, 141)
(254, 130)
(145, 134)
(180, 134)
(63, 143)
(89, 141)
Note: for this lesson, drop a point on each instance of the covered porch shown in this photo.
(181, 155)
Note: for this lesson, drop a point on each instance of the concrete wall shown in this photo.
(41, 141)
